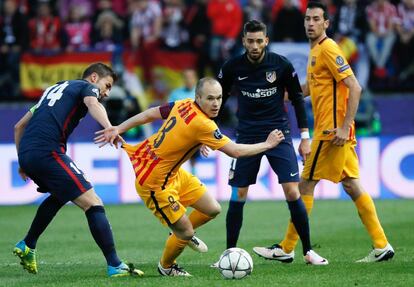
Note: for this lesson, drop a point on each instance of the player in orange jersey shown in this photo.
(165, 187)
(335, 94)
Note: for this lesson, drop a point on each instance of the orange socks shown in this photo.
(173, 248)
(367, 213)
(291, 237)
(369, 218)
(198, 218)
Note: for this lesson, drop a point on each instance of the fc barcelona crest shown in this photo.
(173, 204)
(271, 76)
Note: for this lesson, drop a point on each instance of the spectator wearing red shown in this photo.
(278, 5)
(226, 22)
(45, 29)
(120, 7)
(381, 36)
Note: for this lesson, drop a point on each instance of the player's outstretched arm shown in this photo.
(97, 111)
(144, 117)
(19, 128)
(110, 134)
(237, 150)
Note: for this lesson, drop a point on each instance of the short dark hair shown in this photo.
(202, 82)
(317, 4)
(101, 69)
(253, 26)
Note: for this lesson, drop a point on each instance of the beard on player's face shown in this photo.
(256, 54)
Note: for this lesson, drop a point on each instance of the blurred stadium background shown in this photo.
(150, 43)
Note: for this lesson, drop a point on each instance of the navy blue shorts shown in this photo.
(56, 173)
(282, 159)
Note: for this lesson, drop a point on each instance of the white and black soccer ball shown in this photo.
(235, 263)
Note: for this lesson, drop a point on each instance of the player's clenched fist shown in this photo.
(274, 138)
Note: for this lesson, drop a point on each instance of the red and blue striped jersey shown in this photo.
(56, 115)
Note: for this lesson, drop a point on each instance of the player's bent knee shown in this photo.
(291, 190)
(215, 210)
(306, 187)
(185, 234)
(347, 186)
(189, 233)
(292, 195)
(88, 199)
(183, 228)
(352, 188)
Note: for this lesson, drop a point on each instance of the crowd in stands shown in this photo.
(377, 36)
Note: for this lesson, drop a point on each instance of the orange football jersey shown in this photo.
(327, 67)
(157, 159)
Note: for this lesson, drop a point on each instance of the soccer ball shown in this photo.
(235, 263)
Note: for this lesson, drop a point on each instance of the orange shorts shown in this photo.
(331, 162)
(169, 205)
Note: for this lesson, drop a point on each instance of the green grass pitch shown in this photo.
(68, 256)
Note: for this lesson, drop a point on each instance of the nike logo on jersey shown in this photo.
(293, 174)
(241, 78)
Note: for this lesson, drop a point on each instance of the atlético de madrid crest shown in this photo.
(271, 76)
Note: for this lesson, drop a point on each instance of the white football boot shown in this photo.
(173, 271)
(378, 254)
(274, 252)
(314, 258)
(197, 244)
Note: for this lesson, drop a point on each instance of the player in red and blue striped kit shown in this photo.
(41, 137)
(259, 79)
